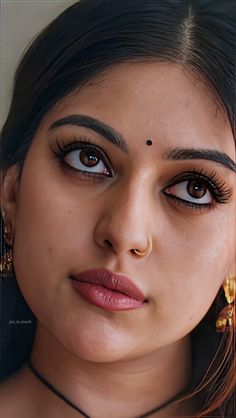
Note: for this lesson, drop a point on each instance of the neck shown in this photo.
(131, 387)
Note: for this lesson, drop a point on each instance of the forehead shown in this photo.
(159, 100)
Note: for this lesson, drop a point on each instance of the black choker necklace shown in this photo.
(68, 402)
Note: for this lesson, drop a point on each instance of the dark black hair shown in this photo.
(86, 40)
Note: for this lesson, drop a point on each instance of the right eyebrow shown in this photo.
(202, 154)
(96, 125)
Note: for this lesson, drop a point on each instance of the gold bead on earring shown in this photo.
(225, 320)
(6, 261)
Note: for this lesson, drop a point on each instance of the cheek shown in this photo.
(52, 229)
(194, 263)
(203, 246)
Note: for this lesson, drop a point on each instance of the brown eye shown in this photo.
(192, 191)
(88, 160)
(89, 157)
(196, 189)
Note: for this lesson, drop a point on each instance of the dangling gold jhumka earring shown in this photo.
(225, 320)
(6, 262)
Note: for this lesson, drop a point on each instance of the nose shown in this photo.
(123, 225)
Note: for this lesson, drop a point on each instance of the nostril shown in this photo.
(109, 244)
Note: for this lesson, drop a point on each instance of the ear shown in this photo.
(9, 192)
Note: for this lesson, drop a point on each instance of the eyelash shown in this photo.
(62, 149)
(216, 186)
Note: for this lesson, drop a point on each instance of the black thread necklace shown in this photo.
(72, 405)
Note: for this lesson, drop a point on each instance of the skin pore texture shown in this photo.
(120, 364)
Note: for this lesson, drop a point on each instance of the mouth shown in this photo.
(107, 290)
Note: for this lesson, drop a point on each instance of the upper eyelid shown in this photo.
(80, 143)
(213, 178)
(107, 132)
(194, 174)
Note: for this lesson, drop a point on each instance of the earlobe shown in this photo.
(9, 192)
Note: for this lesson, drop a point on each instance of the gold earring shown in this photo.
(225, 319)
(6, 262)
(144, 253)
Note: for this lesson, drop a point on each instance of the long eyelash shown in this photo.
(62, 149)
(73, 145)
(217, 187)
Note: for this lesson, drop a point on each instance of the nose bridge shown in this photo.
(124, 222)
(129, 201)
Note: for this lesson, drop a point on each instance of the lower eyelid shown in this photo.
(189, 205)
(88, 177)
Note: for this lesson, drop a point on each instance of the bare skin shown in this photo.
(120, 364)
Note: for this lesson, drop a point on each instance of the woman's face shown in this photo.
(67, 221)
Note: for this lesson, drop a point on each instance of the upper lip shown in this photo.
(110, 280)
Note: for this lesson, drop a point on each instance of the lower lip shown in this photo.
(107, 299)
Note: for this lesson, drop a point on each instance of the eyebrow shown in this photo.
(117, 139)
(96, 125)
(201, 154)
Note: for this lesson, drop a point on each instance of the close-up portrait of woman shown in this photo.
(118, 202)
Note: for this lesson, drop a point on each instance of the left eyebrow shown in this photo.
(201, 154)
(96, 125)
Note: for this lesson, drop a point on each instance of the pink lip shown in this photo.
(110, 291)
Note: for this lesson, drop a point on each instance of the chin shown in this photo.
(98, 353)
(96, 345)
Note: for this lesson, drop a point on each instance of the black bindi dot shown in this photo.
(149, 142)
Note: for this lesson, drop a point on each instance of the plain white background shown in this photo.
(20, 21)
